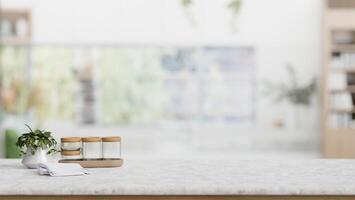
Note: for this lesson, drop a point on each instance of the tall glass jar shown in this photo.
(92, 148)
(111, 147)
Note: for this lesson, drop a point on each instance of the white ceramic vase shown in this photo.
(31, 160)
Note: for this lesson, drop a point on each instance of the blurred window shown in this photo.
(126, 85)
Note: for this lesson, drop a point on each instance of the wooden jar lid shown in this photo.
(70, 153)
(91, 139)
(70, 139)
(111, 139)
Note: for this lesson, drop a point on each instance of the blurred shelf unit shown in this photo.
(345, 4)
(338, 79)
(15, 26)
(347, 89)
(343, 48)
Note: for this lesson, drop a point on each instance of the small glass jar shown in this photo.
(71, 155)
(92, 148)
(111, 147)
(71, 143)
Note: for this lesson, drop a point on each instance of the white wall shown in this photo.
(282, 31)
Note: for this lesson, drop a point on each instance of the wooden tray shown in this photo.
(96, 163)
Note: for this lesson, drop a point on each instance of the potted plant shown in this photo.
(35, 146)
(300, 96)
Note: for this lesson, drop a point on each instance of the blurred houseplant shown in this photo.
(35, 146)
(186, 4)
(300, 96)
(233, 6)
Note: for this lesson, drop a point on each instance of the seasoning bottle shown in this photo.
(111, 147)
(92, 148)
(71, 143)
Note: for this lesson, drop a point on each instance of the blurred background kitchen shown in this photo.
(182, 78)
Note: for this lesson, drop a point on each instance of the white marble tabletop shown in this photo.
(190, 177)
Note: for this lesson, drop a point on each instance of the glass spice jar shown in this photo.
(92, 148)
(70, 143)
(111, 147)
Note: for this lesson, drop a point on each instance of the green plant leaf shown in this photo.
(28, 127)
(234, 6)
(186, 3)
(292, 91)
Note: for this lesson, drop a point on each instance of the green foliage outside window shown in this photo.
(131, 86)
(129, 83)
(11, 150)
(53, 72)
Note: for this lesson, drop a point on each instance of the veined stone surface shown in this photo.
(190, 177)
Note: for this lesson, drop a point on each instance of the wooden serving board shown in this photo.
(96, 163)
